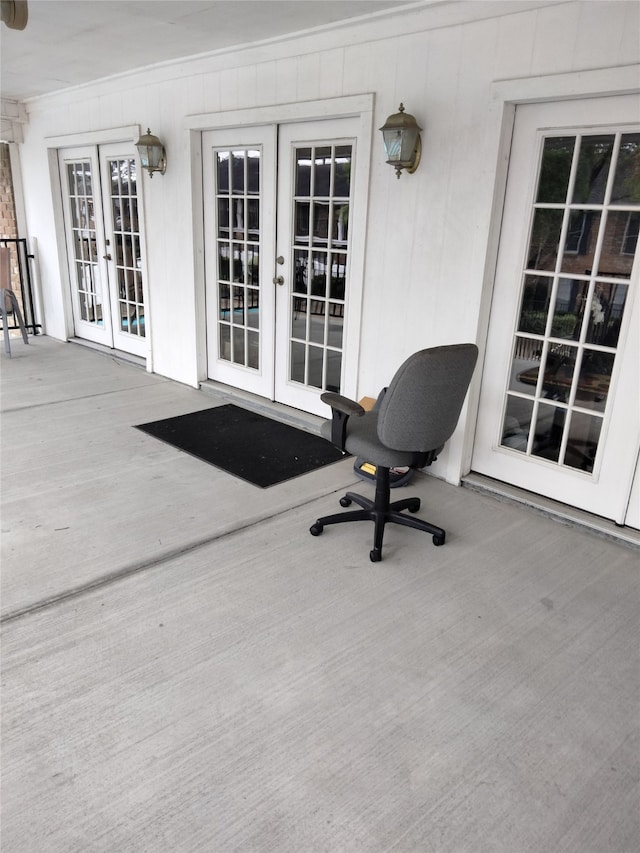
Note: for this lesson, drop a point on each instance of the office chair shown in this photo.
(414, 418)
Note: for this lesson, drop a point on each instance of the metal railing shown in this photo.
(20, 259)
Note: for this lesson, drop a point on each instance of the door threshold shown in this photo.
(129, 358)
(554, 509)
(261, 405)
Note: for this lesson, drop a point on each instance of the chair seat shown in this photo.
(362, 440)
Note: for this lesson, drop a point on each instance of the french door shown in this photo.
(558, 410)
(277, 202)
(104, 246)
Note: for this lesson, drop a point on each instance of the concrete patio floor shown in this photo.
(184, 668)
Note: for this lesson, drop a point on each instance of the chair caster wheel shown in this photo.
(415, 506)
(345, 501)
(316, 529)
(375, 555)
(438, 540)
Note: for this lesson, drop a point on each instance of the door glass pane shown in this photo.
(253, 172)
(253, 307)
(555, 169)
(252, 350)
(316, 321)
(569, 306)
(517, 423)
(321, 213)
(536, 295)
(593, 169)
(224, 342)
(224, 229)
(238, 162)
(342, 181)
(238, 255)
(594, 379)
(303, 172)
(548, 432)
(298, 361)
(323, 162)
(524, 366)
(558, 372)
(626, 184)
(315, 366)
(300, 259)
(545, 239)
(320, 257)
(302, 222)
(336, 325)
(584, 435)
(319, 276)
(84, 242)
(620, 243)
(581, 241)
(568, 327)
(126, 250)
(238, 345)
(334, 367)
(299, 320)
(605, 314)
(338, 281)
(340, 223)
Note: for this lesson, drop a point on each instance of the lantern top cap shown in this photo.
(400, 121)
(148, 138)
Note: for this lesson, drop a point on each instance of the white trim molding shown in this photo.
(13, 115)
(350, 105)
(594, 83)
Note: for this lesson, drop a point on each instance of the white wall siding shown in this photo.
(427, 262)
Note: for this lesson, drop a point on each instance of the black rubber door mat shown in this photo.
(248, 445)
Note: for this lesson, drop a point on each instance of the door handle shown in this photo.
(278, 280)
(107, 257)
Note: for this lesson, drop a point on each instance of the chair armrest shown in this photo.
(342, 404)
(342, 408)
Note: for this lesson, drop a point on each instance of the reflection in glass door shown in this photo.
(559, 387)
(277, 297)
(239, 191)
(125, 254)
(237, 174)
(85, 238)
(320, 248)
(317, 169)
(104, 246)
(582, 245)
(83, 229)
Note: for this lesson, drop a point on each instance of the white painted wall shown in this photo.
(428, 256)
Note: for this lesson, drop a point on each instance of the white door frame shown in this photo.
(359, 106)
(126, 134)
(258, 379)
(132, 262)
(94, 251)
(291, 139)
(605, 489)
(506, 95)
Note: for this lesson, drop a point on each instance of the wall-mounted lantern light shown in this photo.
(401, 134)
(152, 154)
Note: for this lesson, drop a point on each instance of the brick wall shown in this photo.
(8, 227)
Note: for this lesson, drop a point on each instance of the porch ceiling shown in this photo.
(69, 42)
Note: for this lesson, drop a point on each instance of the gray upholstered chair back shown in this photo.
(422, 405)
